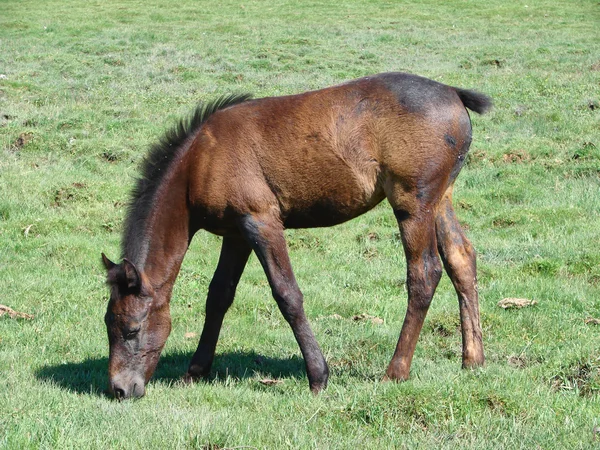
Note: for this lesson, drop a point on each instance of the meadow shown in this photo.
(87, 87)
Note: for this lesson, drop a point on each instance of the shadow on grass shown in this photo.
(90, 376)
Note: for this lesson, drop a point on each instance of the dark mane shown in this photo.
(156, 165)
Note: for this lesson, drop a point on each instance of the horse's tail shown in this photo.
(475, 101)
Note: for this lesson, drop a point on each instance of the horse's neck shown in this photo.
(168, 235)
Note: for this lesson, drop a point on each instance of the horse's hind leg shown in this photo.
(234, 255)
(459, 260)
(265, 235)
(423, 274)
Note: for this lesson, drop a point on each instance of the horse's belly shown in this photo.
(328, 204)
(322, 215)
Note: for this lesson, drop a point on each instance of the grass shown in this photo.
(88, 86)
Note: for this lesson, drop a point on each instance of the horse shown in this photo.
(247, 169)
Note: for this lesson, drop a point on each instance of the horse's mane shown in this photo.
(155, 166)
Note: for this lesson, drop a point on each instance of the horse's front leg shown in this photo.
(265, 235)
(234, 255)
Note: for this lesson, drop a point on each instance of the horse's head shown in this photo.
(138, 326)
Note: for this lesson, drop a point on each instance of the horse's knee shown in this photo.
(220, 295)
(290, 301)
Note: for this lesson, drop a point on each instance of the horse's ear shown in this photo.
(107, 262)
(134, 280)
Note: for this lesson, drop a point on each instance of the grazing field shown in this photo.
(86, 87)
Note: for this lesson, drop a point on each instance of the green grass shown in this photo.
(88, 86)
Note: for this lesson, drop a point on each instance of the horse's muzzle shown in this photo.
(122, 389)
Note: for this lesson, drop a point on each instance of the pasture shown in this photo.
(87, 87)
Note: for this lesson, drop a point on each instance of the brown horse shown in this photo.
(248, 169)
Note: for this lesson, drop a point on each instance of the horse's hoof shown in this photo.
(392, 376)
(188, 378)
(191, 377)
(472, 363)
(317, 388)
(196, 372)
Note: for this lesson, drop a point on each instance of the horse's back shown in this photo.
(323, 157)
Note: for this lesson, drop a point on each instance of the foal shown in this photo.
(247, 169)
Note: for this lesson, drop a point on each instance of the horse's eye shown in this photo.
(130, 334)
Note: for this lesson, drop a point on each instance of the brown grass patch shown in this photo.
(516, 157)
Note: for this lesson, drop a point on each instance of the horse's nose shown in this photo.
(122, 391)
(138, 390)
(119, 393)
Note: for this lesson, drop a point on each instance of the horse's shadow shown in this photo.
(90, 375)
